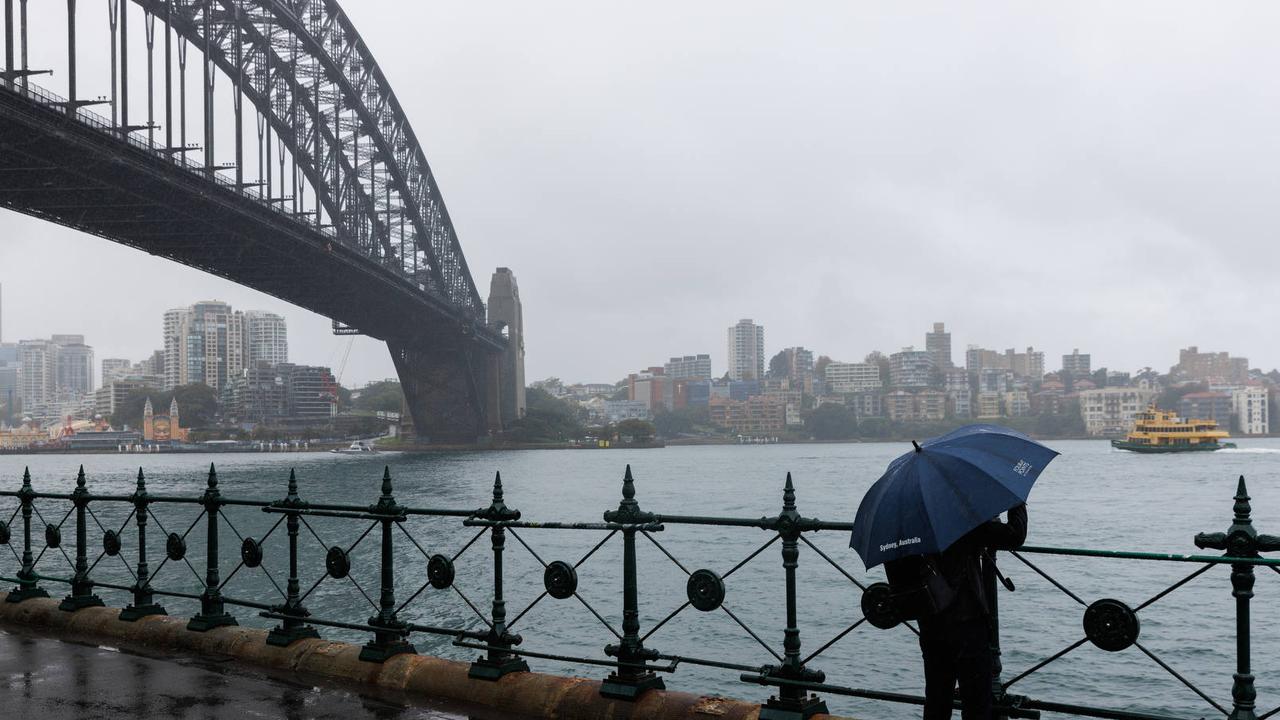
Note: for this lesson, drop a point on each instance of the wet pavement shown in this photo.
(47, 679)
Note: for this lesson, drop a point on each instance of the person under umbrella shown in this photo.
(931, 519)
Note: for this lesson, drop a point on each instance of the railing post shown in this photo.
(1241, 540)
(389, 637)
(144, 603)
(497, 661)
(81, 586)
(293, 626)
(212, 613)
(992, 592)
(631, 678)
(27, 585)
(791, 703)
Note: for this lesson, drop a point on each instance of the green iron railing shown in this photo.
(634, 667)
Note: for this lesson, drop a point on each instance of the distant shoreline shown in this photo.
(418, 449)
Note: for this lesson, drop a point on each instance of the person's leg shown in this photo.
(939, 671)
(975, 669)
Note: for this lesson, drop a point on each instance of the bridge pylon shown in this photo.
(459, 391)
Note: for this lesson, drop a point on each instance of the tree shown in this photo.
(546, 419)
(832, 422)
(1169, 398)
(640, 431)
(680, 422)
(197, 406)
(778, 365)
(1067, 423)
(881, 361)
(820, 367)
(385, 396)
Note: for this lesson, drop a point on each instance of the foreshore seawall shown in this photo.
(528, 694)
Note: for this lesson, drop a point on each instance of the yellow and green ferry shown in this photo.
(1161, 431)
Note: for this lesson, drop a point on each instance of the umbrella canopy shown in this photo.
(929, 498)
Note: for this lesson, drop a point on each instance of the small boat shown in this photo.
(359, 447)
(1161, 431)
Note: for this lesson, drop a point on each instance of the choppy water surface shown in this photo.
(1090, 497)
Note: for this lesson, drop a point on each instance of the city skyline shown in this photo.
(973, 190)
(719, 361)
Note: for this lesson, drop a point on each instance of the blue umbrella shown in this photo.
(929, 498)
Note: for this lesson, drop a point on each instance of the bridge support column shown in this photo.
(506, 312)
(444, 382)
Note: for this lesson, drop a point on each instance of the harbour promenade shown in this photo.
(64, 680)
(625, 605)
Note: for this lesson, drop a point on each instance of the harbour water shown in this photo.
(1092, 497)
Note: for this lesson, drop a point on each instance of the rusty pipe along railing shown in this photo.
(634, 666)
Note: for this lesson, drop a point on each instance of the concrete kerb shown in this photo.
(531, 694)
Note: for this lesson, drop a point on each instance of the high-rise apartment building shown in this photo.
(689, 367)
(312, 391)
(911, 368)
(1077, 364)
(938, 345)
(115, 368)
(1219, 366)
(204, 343)
(1029, 364)
(845, 378)
(38, 372)
(977, 358)
(746, 351)
(8, 392)
(267, 338)
(74, 363)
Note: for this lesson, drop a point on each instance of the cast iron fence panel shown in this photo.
(241, 539)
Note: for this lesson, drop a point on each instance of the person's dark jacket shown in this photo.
(960, 563)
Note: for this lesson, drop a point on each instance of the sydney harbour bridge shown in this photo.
(261, 142)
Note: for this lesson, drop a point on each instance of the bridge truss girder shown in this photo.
(301, 65)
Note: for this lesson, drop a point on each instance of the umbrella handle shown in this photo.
(1008, 584)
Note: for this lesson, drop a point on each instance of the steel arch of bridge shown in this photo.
(305, 69)
(376, 250)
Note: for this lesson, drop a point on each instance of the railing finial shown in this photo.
(80, 483)
(386, 481)
(142, 481)
(788, 495)
(293, 486)
(213, 477)
(497, 487)
(1243, 509)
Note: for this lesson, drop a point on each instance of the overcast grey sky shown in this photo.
(1097, 175)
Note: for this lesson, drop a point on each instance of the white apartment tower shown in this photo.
(1250, 406)
(268, 341)
(38, 376)
(204, 343)
(689, 367)
(746, 351)
(852, 377)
